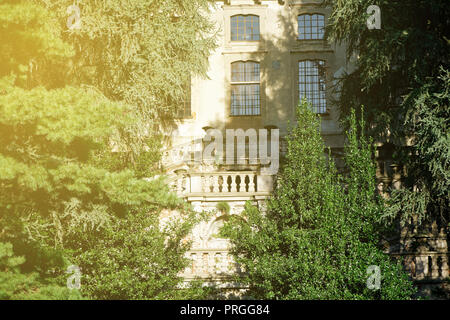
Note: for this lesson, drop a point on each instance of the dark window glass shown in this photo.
(245, 28)
(311, 26)
(311, 83)
(245, 89)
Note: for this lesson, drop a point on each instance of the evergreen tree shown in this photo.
(319, 234)
(68, 191)
(140, 52)
(16, 285)
(401, 75)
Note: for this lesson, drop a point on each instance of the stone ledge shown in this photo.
(229, 196)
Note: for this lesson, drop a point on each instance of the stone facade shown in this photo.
(205, 183)
(278, 52)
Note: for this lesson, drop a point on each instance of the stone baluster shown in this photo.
(209, 182)
(212, 184)
(216, 184)
(204, 184)
(205, 263)
(421, 267)
(434, 267)
(233, 183)
(217, 257)
(194, 263)
(251, 183)
(445, 271)
(211, 263)
(224, 263)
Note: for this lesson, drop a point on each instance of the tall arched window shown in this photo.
(245, 28)
(311, 26)
(245, 88)
(311, 83)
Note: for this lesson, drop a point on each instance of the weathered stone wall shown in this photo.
(278, 53)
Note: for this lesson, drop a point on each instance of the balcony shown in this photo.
(226, 185)
(210, 264)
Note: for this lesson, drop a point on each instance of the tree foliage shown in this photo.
(140, 52)
(15, 285)
(77, 161)
(320, 231)
(401, 75)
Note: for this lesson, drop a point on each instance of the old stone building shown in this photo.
(270, 54)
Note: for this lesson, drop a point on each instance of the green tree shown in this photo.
(319, 232)
(67, 189)
(138, 258)
(401, 75)
(15, 285)
(140, 52)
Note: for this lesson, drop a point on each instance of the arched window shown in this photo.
(311, 26)
(245, 88)
(245, 28)
(311, 83)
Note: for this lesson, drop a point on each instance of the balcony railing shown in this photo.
(210, 263)
(222, 183)
(427, 266)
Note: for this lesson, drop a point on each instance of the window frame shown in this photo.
(321, 107)
(255, 110)
(245, 16)
(313, 32)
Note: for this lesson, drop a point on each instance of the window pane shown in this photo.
(244, 28)
(245, 71)
(238, 72)
(311, 26)
(312, 84)
(233, 28)
(255, 28)
(245, 99)
(252, 72)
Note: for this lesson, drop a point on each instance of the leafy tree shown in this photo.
(140, 52)
(139, 258)
(32, 48)
(16, 285)
(401, 76)
(317, 238)
(68, 191)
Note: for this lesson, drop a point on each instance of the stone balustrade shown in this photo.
(222, 183)
(210, 263)
(426, 266)
(229, 182)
